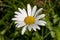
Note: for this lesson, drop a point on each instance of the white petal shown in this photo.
(18, 13)
(37, 27)
(34, 27)
(14, 19)
(29, 9)
(22, 12)
(19, 16)
(40, 22)
(29, 28)
(38, 11)
(23, 30)
(40, 16)
(20, 24)
(34, 10)
(18, 19)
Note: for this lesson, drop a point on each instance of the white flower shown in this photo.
(29, 20)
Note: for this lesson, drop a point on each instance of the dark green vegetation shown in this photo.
(51, 31)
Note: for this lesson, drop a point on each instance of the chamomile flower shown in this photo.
(29, 19)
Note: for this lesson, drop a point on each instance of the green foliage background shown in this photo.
(51, 31)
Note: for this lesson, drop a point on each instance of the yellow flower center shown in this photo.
(29, 20)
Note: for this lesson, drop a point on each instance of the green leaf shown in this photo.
(36, 36)
(49, 26)
(1, 37)
(57, 33)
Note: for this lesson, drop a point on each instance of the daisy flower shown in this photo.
(29, 19)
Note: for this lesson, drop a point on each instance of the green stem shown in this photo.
(46, 35)
(1, 37)
(42, 33)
